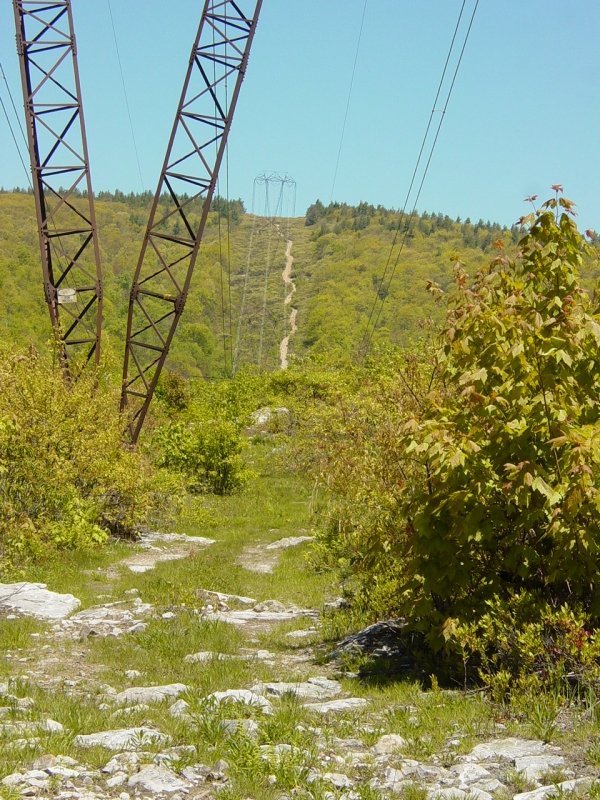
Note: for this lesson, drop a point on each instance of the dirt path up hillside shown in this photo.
(289, 284)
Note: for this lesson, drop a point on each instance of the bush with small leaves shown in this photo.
(66, 480)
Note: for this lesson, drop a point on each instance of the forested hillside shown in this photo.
(235, 312)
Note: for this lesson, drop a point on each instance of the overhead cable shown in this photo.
(339, 152)
(369, 331)
(10, 127)
(131, 128)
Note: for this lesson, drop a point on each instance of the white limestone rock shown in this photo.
(204, 656)
(476, 793)
(319, 688)
(577, 784)
(174, 754)
(35, 600)
(123, 762)
(150, 694)
(467, 774)
(180, 709)
(244, 617)
(109, 620)
(393, 779)
(149, 540)
(268, 606)
(225, 616)
(533, 767)
(52, 726)
(492, 785)
(258, 655)
(289, 541)
(268, 419)
(246, 726)
(447, 793)
(301, 634)
(389, 744)
(510, 748)
(121, 739)
(49, 763)
(19, 778)
(221, 597)
(338, 780)
(19, 727)
(158, 779)
(14, 779)
(245, 696)
(153, 553)
(118, 779)
(201, 657)
(335, 706)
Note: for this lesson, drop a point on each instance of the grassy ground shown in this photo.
(437, 726)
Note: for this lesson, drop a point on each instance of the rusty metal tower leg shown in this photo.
(182, 200)
(61, 177)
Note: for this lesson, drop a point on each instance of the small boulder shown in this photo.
(349, 704)
(158, 779)
(35, 600)
(389, 744)
(244, 696)
(575, 785)
(150, 694)
(122, 739)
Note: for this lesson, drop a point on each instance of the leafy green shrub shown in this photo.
(520, 644)
(204, 439)
(65, 478)
(206, 451)
(455, 499)
(348, 439)
(510, 490)
(173, 391)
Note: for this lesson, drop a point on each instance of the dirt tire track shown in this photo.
(289, 284)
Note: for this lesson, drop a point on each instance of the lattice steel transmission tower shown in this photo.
(182, 201)
(61, 177)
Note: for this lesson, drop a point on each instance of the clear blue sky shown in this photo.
(525, 112)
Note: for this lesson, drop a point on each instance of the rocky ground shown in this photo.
(246, 708)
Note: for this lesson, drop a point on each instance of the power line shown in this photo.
(413, 178)
(14, 138)
(339, 153)
(367, 337)
(245, 284)
(135, 148)
(267, 276)
(12, 102)
(12, 133)
(230, 323)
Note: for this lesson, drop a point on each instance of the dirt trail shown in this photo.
(289, 284)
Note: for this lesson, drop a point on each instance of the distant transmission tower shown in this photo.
(280, 187)
(275, 196)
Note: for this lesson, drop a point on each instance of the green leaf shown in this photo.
(540, 485)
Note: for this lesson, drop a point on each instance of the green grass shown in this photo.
(16, 634)
(79, 572)
(159, 651)
(276, 504)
